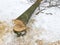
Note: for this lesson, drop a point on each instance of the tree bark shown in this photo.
(22, 20)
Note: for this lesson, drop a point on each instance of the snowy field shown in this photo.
(10, 9)
(44, 26)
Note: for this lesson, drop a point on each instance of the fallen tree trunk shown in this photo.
(21, 21)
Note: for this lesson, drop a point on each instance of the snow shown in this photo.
(51, 24)
(11, 9)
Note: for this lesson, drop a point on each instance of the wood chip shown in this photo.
(39, 42)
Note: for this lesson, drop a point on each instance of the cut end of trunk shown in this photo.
(19, 25)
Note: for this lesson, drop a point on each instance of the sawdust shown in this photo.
(8, 37)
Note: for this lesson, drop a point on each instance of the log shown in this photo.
(21, 21)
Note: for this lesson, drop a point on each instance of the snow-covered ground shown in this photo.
(50, 22)
(44, 26)
(11, 9)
